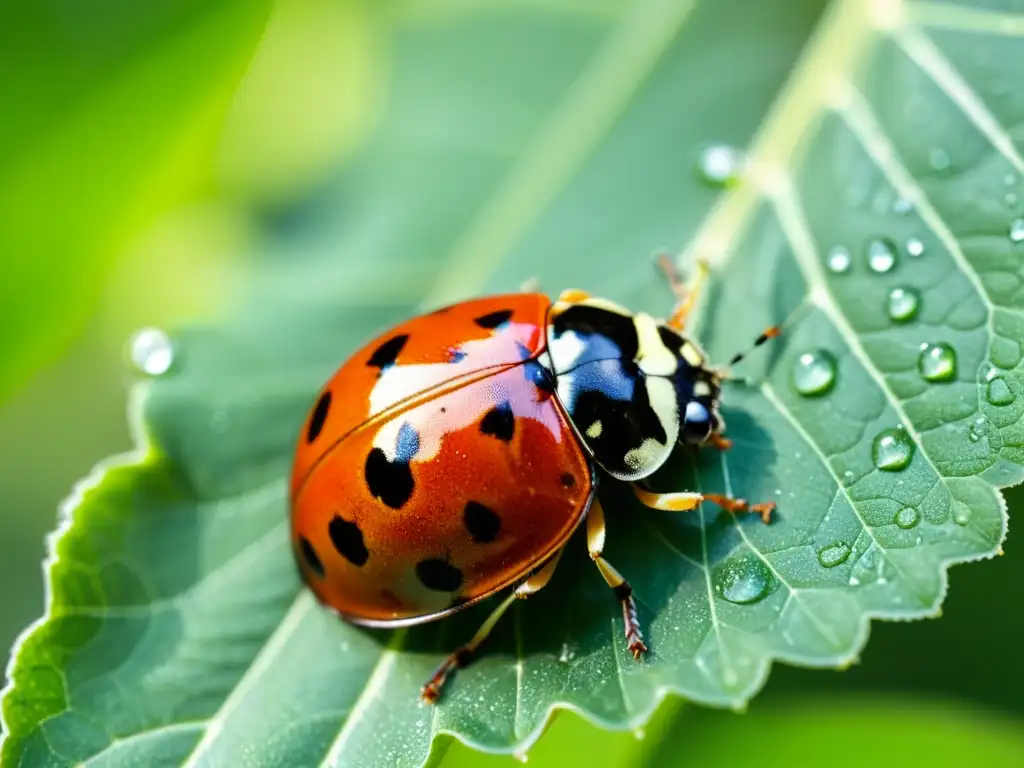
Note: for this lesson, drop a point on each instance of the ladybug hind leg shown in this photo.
(682, 502)
(623, 591)
(464, 654)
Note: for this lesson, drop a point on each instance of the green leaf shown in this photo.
(559, 141)
(115, 113)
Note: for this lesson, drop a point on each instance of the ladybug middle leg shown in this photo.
(614, 579)
(463, 655)
(686, 296)
(682, 502)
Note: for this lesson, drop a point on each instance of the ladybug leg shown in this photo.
(681, 502)
(686, 296)
(463, 655)
(614, 579)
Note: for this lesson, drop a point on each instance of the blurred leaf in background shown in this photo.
(111, 110)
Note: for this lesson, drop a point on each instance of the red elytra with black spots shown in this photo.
(437, 467)
(455, 454)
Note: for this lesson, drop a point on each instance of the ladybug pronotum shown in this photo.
(454, 455)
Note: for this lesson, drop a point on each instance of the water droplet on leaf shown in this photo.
(907, 518)
(838, 260)
(1017, 231)
(743, 580)
(961, 513)
(892, 449)
(834, 554)
(881, 254)
(937, 362)
(151, 351)
(915, 246)
(999, 392)
(720, 164)
(902, 206)
(938, 159)
(903, 304)
(814, 373)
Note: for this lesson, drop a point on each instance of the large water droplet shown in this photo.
(907, 518)
(1017, 231)
(151, 351)
(838, 260)
(834, 554)
(814, 373)
(743, 580)
(915, 246)
(999, 392)
(720, 164)
(892, 449)
(937, 362)
(903, 304)
(881, 253)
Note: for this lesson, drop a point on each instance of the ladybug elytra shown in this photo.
(454, 455)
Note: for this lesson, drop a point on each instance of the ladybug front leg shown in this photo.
(595, 543)
(686, 296)
(682, 502)
(463, 655)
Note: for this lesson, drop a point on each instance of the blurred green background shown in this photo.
(145, 148)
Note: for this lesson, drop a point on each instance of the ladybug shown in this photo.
(454, 455)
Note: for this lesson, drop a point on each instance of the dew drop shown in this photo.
(743, 580)
(1017, 231)
(903, 304)
(814, 373)
(999, 392)
(834, 554)
(915, 246)
(892, 449)
(720, 164)
(902, 206)
(151, 351)
(907, 518)
(1011, 199)
(961, 513)
(881, 253)
(937, 362)
(838, 260)
(938, 159)
(979, 429)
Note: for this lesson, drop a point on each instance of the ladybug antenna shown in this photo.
(769, 333)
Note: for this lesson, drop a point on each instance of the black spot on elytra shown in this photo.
(568, 481)
(493, 319)
(310, 556)
(318, 417)
(499, 422)
(482, 522)
(387, 353)
(391, 482)
(439, 575)
(348, 540)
